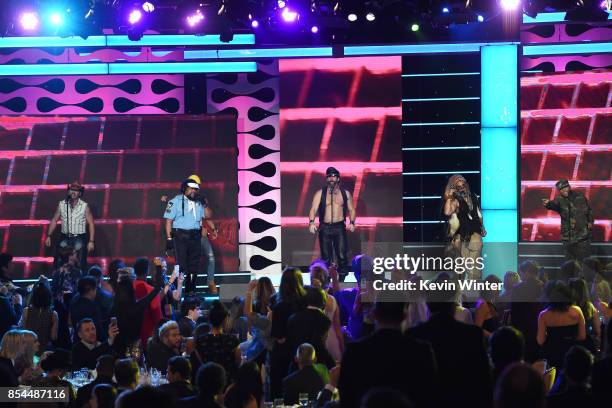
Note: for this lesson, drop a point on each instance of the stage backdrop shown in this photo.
(126, 164)
(566, 132)
(344, 113)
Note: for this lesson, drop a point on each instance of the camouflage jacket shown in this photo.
(576, 215)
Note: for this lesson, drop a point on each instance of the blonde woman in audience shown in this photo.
(510, 280)
(10, 348)
(26, 363)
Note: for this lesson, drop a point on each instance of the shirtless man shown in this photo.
(332, 205)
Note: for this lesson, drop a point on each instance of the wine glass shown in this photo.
(303, 399)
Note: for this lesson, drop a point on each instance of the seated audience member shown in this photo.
(10, 348)
(103, 396)
(86, 351)
(511, 279)
(105, 368)
(146, 396)
(387, 358)
(311, 325)
(217, 346)
(581, 298)
(210, 380)
(26, 363)
(526, 307)
(577, 391)
(591, 266)
(570, 270)
(169, 346)
(385, 397)
(83, 306)
(178, 375)
(127, 375)
(487, 316)
(306, 380)
(11, 308)
(459, 371)
(40, 317)
(191, 313)
(520, 386)
(201, 329)
(55, 365)
(560, 326)
(247, 389)
(602, 371)
(506, 346)
(354, 314)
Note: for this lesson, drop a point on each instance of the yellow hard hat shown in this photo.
(195, 178)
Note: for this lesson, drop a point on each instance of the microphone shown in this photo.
(67, 200)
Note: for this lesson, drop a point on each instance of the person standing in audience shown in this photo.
(526, 307)
(152, 312)
(306, 380)
(576, 220)
(130, 312)
(237, 322)
(311, 325)
(602, 371)
(577, 372)
(511, 279)
(388, 358)
(487, 316)
(104, 298)
(105, 367)
(319, 277)
(169, 346)
(560, 326)
(11, 309)
(217, 346)
(173, 289)
(64, 285)
(40, 317)
(88, 349)
(210, 380)
(288, 300)
(256, 311)
(460, 352)
(580, 297)
(83, 306)
(178, 375)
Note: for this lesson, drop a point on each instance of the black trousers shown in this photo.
(333, 243)
(75, 241)
(577, 250)
(188, 250)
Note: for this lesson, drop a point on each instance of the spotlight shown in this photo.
(195, 18)
(445, 10)
(135, 17)
(314, 29)
(415, 27)
(254, 23)
(29, 21)
(510, 5)
(605, 5)
(56, 19)
(281, 4)
(480, 18)
(370, 16)
(148, 7)
(288, 15)
(352, 17)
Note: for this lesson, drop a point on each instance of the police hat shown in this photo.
(332, 171)
(562, 184)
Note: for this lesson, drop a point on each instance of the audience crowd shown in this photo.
(127, 337)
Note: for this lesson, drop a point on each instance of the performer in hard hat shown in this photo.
(184, 216)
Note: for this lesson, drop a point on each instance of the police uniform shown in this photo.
(186, 215)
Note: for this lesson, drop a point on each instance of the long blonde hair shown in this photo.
(452, 182)
(12, 344)
(29, 341)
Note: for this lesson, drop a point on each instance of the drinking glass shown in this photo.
(268, 404)
(303, 399)
(279, 403)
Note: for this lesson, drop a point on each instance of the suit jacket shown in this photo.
(186, 326)
(310, 326)
(159, 354)
(460, 352)
(305, 380)
(9, 373)
(9, 314)
(524, 310)
(81, 308)
(179, 389)
(387, 358)
(84, 393)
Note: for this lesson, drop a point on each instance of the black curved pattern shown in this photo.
(257, 114)
(221, 95)
(257, 151)
(267, 169)
(265, 132)
(122, 105)
(94, 105)
(84, 86)
(17, 104)
(258, 262)
(545, 31)
(257, 225)
(265, 243)
(55, 86)
(227, 79)
(266, 206)
(258, 77)
(160, 86)
(257, 188)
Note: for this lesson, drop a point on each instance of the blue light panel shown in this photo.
(276, 53)
(178, 40)
(499, 85)
(48, 42)
(181, 67)
(566, 49)
(498, 149)
(53, 69)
